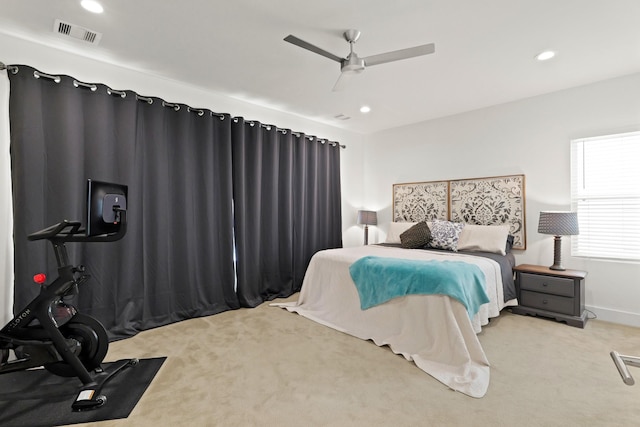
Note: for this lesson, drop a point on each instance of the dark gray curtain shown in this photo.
(176, 261)
(287, 206)
(317, 212)
(195, 178)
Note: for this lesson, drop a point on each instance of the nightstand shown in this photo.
(551, 293)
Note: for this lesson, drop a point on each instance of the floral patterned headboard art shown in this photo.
(484, 201)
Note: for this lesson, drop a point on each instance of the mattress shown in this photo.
(433, 331)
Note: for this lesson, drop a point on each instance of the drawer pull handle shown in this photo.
(544, 284)
(544, 301)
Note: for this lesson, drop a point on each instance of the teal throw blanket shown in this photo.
(379, 280)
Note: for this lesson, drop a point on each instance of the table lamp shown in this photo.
(558, 224)
(367, 218)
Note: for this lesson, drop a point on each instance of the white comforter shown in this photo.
(432, 330)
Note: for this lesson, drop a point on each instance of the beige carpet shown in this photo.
(268, 367)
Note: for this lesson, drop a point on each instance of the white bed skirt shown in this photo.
(434, 331)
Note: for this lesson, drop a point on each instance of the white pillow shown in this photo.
(396, 229)
(484, 238)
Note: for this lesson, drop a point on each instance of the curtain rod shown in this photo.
(176, 107)
(11, 68)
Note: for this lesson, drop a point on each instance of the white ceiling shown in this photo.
(484, 49)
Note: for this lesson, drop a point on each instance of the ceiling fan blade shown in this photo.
(342, 82)
(397, 55)
(305, 45)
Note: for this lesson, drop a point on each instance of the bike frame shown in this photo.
(18, 331)
(46, 343)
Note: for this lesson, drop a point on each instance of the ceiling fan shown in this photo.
(353, 64)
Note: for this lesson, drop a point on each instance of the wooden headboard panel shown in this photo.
(484, 201)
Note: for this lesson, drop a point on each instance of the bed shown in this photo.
(434, 330)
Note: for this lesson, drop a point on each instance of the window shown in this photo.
(605, 191)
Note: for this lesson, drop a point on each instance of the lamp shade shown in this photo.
(367, 217)
(558, 223)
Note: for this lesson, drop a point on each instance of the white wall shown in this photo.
(52, 61)
(530, 137)
(6, 207)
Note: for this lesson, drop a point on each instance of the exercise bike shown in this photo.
(50, 332)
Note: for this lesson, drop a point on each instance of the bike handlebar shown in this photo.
(64, 228)
(72, 231)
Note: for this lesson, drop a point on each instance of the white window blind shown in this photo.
(605, 191)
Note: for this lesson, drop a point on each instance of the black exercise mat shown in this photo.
(38, 398)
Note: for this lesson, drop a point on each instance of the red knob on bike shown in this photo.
(40, 278)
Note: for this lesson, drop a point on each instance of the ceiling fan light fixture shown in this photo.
(546, 55)
(352, 70)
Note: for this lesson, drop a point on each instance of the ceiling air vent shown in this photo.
(76, 32)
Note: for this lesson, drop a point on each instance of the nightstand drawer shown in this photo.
(556, 304)
(547, 284)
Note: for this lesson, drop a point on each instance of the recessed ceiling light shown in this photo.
(92, 6)
(547, 54)
(365, 109)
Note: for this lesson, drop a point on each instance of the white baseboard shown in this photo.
(615, 316)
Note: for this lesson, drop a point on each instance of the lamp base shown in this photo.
(366, 234)
(557, 254)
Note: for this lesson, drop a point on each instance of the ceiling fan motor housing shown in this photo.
(352, 64)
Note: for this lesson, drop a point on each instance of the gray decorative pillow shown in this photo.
(416, 237)
(445, 234)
